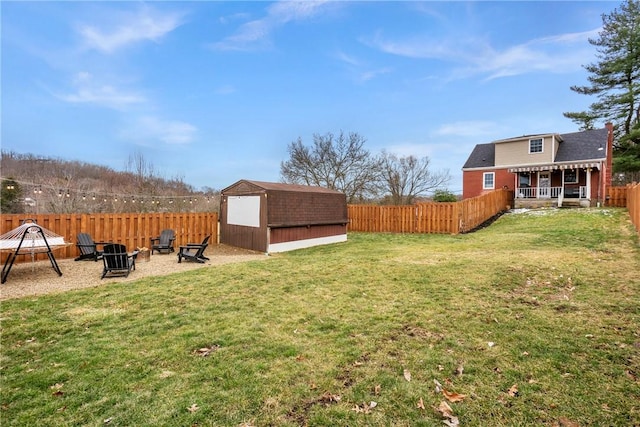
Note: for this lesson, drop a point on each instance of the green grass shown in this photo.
(305, 337)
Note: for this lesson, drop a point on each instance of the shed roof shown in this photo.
(585, 145)
(280, 186)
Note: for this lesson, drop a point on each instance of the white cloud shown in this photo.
(359, 69)
(225, 89)
(472, 128)
(559, 53)
(148, 130)
(87, 90)
(145, 24)
(256, 33)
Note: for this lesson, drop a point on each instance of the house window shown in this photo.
(524, 180)
(535, 145)
(488, 181)
(570, 177)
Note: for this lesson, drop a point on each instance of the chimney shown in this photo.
(609, 161)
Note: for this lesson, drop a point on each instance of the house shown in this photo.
(276, 217)
(572, 169)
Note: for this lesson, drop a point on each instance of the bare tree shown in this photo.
(405, 178)
(337, 162)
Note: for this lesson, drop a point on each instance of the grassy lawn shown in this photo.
(532, 320)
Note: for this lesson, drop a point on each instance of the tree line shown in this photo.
(37, 184)
(341, 162)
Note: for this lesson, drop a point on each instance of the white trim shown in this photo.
(541, 145)
(307, 243)
(484, 181)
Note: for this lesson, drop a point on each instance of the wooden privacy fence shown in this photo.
(633, 205)
(446, 218)
(134, 230)
(617, 197)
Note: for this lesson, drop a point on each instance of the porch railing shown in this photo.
(547, 193)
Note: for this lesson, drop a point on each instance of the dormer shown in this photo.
(527, 149)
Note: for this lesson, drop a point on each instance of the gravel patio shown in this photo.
(38, 278)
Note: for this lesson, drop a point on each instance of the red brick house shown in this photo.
(545, 169)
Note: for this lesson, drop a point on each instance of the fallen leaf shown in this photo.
(453, 397)
(513, 391)
(57, 389)
(365, 408)
(407, 375)
(376, 389)
(491, 344)
(108, 420)
(330, 398)
(452, 422)
(205, 351)
(421, 404)
(193, 408)
(445, 410)
(440, 368)
(566, 422)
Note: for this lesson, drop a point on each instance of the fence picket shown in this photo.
(131, 229)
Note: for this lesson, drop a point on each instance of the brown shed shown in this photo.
(275, 217)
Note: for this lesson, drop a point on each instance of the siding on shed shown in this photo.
(288, 213)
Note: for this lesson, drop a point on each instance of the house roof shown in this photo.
(585, 145)
(483, 155)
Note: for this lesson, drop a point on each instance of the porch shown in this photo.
(538, 197)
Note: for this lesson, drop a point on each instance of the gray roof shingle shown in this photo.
(483, 155)
(583, 146)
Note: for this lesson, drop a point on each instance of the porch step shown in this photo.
(571, 203)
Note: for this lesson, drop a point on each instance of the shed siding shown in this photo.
(288, 213)
(253, 238)
(297, 208)
(289, 234)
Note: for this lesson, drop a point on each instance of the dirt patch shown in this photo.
(39, 278)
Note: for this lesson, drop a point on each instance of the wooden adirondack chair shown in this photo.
(88, 248)
(194, 251)
(117, 262)
(164, 242)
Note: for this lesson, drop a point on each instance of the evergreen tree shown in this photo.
(10, 201)
(615, 81)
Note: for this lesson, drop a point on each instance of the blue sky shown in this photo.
(213, 92)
